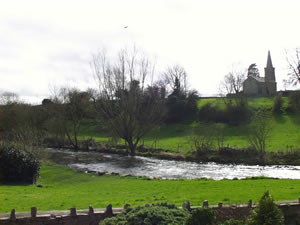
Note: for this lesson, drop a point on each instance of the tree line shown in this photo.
(128, 102)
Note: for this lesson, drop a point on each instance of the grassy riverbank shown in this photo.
(283, 136)
(64, 188)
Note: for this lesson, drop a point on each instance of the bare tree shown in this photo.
(28, 129)
(77, 103)
(293, 67)
(20, 123)
(7, 98)
(232, 82)
(68, 111)
(128, 108)
(259, 130)
(206, 136)
(203, 138)
(176, 78)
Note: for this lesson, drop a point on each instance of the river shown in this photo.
(169, 169)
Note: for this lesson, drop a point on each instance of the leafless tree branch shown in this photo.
(293, 67)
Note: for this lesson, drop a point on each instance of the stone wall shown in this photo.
(72, 217)
(270, 88)
(291, 211)
(250, 87)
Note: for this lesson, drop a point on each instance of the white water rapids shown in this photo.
(170, 169)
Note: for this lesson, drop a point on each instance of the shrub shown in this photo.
(294, 102)
(232, 222)
(182, 107)
(210, 113)
(277, 104)
(237, 114)
(201, 216)
(176, 109)
(17, 166)
(191, 108)
(266, 213)
(157, 214)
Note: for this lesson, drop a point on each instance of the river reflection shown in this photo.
(151, 167)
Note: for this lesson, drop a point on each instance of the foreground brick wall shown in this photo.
(72, 217)
(291, 211)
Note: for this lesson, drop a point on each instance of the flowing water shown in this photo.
(170, 169)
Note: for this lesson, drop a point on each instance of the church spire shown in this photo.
(269, 61)
(269, 70)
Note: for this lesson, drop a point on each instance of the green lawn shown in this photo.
(64, 188)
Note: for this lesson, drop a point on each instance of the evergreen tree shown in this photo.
(266, 213)
(253, 70)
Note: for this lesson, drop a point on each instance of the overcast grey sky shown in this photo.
(49, 43)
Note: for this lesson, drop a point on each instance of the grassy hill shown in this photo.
(284, 134)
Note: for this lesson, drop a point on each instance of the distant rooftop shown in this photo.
(259, 79)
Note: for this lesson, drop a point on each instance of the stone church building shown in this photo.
(262, 86)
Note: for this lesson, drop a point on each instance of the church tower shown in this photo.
(262, 86)
(269, 70)
(270, 81)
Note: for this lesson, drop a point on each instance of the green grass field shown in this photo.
(285, 132)
(64, 188)
(259, 102)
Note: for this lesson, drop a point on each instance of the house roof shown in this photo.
(259, 79)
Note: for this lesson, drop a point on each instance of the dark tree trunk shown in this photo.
(74, 144)
(131, 147)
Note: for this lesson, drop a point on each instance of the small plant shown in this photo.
(202, 216)
(157, 214)
(266, 213)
